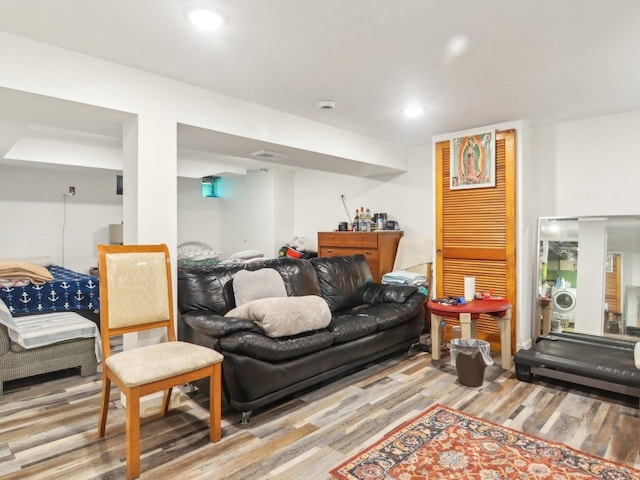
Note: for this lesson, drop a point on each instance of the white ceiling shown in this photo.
(539, 61)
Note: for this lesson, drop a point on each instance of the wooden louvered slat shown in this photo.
(475, 235)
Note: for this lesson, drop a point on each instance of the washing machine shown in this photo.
(564, 305)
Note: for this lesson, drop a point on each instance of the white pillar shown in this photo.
(150, 206)
(150, 190)
(592, 244)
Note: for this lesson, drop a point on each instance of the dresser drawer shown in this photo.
(369, 253)
(348, 239)
(379, 248)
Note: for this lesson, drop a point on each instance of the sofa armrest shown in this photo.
(382, 293)
(217, 326)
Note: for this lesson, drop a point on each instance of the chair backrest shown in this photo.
(135, 290)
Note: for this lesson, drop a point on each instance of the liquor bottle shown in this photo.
(356, 222)
(367, 219)
(363, 226)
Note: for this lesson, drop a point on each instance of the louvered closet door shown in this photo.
(475, 235)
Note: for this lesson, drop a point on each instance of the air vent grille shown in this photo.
(267, 155)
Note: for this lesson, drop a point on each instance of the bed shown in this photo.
(68, 291)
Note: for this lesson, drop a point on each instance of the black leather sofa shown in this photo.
(368, 321)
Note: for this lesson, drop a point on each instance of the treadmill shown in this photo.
(600, 362)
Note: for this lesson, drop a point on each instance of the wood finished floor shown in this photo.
(48, 429)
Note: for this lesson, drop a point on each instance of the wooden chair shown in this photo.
(136, 294)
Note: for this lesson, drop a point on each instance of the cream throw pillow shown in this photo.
(263, 283)
(282, 317)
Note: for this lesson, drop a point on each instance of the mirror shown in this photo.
(589, 275)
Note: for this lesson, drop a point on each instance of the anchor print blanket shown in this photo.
(67, 291)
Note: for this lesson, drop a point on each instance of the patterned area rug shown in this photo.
(446, 444)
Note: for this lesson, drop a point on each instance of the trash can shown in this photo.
(470, 356)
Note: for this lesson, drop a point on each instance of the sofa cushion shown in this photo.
(263, 283)
(299, 276)
(208, 287)
(342, 280)
(384, 293)
(347, 326)
(269, 349)
(387, 315)
(286, 316)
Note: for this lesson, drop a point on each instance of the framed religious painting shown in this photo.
(473, 162)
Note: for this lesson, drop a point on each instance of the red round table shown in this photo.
(500, 311)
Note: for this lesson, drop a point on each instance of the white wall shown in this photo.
(33, 213)
(406, 198)
(32, 203)
(199, 218)
(247, 214)
(595, 165)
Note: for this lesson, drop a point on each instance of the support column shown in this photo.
(150, 206)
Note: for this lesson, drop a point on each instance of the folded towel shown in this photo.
(18, 270)
(403, 277)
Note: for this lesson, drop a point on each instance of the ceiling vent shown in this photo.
(267, 155)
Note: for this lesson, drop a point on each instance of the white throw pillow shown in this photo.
(283, 317)
(263, 283)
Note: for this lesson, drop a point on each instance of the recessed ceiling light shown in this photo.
(204, 18)
(412, 111)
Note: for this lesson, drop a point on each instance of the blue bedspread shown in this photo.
(68, 290)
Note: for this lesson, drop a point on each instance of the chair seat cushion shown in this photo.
(151, 363)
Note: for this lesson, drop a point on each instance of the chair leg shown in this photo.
(215, 403)
(133, 434)
(104, 405)
(166, 400)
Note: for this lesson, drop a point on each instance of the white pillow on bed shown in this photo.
(286, 316)
(196, 251)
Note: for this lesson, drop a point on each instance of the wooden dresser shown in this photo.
(378, 247)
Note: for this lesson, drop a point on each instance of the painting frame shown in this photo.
(473, 161)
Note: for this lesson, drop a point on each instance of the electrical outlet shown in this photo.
(72, 191)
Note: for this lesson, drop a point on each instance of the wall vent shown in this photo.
(267, 155)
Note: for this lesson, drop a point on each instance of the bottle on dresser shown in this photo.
(363, 226)
(367, 218)
(356, 222)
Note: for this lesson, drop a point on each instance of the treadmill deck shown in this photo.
(600, 362)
